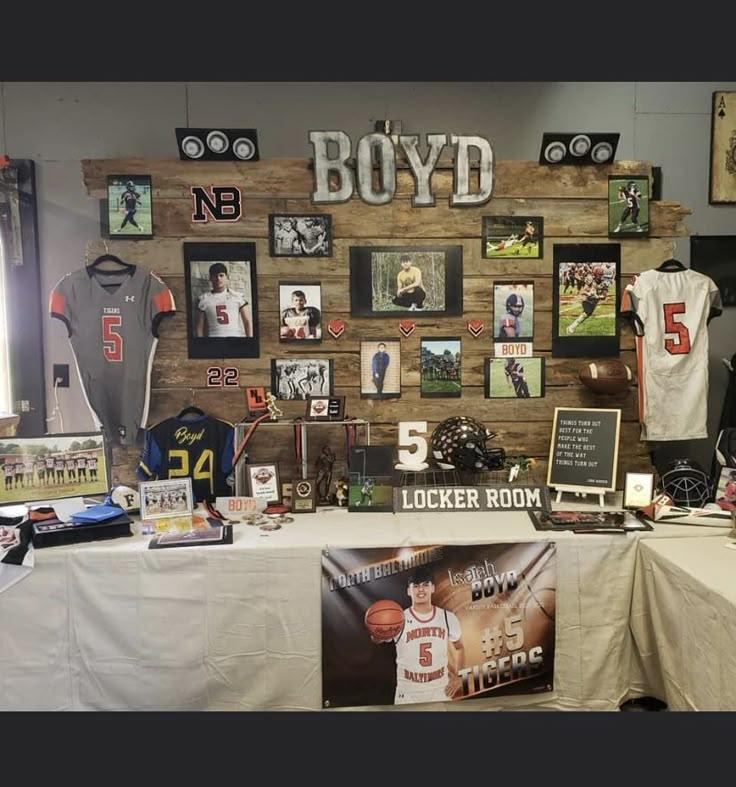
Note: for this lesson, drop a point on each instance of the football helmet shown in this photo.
(515, 304)
(687, 484)
(460, 442)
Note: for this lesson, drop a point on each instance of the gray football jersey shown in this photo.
(112, 319)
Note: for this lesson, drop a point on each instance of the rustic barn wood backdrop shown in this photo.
(573, 202)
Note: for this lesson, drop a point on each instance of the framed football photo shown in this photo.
(628, 206)
(514, 378)
(440, 367)
(513, 311)
(300, 378)
(300, 235)
(300, 307)
(513, 236)
(128, 210)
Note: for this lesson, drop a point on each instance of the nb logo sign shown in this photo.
(220, 203)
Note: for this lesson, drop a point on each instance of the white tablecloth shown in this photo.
(114, 625)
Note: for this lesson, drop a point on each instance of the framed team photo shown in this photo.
(263, 482)
(300, 378)
(440, 367)
(513, 236)
(128, 209)
(299, 235)
(585, 299)
(514, 378)
(628, 206)
(37, 469)
(513, 311)
(380, 368)
(390, 280)
(300, 311)
(171, 497)
(222, 300)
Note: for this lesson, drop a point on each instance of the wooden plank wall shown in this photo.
(572, 200)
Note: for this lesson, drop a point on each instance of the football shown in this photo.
(611, 376)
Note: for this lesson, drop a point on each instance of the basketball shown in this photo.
(384, 619)
(611, 376)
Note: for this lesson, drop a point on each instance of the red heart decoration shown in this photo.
(475, 327)
(336, 328)
(407, 327)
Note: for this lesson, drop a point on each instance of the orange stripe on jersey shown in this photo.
(57, 302)
(164, 301)
(640, 373)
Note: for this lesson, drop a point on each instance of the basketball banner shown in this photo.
(436, 623)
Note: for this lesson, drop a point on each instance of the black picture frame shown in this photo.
(572, 263)
(239, 260)
(715, 256)
(325, 408)
(298, 378)
(374, 384)
(628, 206)
(278, 245)
(118, 210)
(439, 379)
(503, 310)
(304, 329)
(371, 478)
(529, 384)
(513, 237)
(373, 280)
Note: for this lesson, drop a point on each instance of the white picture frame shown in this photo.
(169, 498)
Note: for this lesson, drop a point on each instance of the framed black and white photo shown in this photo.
(300, 378)
(513, 237)
(300, 235)
(380, 368)
(128, 209)
(440, 367)
(628, 206)
(585, 299)
(222, 299)
(514, 378)
(264, 483)
(300, 310)
(389, 280)
(325, 408)
(513, 311)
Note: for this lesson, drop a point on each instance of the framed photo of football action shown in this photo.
(514, 378)
(513, 237)
(390, 280)
(370, 478)
(440, 367)
(222, 300)
(585, 299)
(628, 206)
(300, 308)
(513, 311)
(325, 408)
(300, 235)
(128, 209)
(263, 482)
(380, 368)
(300, 378)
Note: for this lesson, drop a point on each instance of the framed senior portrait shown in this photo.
(514, 378)
(300, 378)
(513, 311)
(390, 280)
(513, 236)
(585, 299)
(325, 408)
(128, 210)
(628, 206)
(263, 481)
(380, 368)
(440, 367)
(222, 300)
(300, 311)
(722, 188)
(299, 235)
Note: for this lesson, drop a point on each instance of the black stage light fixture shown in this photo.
(578, 148)
(217, 144)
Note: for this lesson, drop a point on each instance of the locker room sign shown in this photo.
(513, 497)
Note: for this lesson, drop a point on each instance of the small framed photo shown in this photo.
(440, 367)
(325, 408)
(726, 489)
(390, 280)
(222, 300)
(300, 378)
(300, 235)
(513, 236)
(300, 306)
(263, 482)
(371, 481)
(514, 378)
(513, 310)
(303, 496)
(128, 208)
(380, 368)
(638, 490)
(172, 497)
(628, 206)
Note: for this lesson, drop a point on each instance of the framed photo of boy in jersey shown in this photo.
(628, 206)
(585, 299)
(128, 210)
(514, 378)
(299, 235)
(300, 311)
(222, 300)
(513, 311)
(391, 280)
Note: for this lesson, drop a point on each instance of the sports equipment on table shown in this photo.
(610, 376)
(686, 484)
(384, 619)
(112, 319)
(460, 442)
